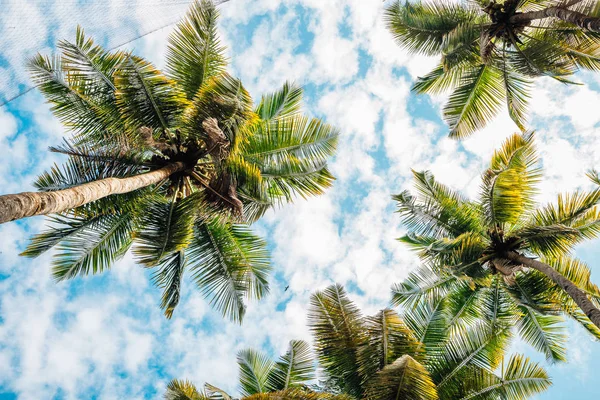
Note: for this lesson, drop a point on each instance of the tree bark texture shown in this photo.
(27, 204)
(572, 290)
(574, 17)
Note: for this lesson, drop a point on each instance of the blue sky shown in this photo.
(104, 337)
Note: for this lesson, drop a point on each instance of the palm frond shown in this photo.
(168, 278)
(183, 390)
(405, 378)
(388, 338)
(421, 27)
(146, 98)
(293, 369)
(91, 245)
(509, 185)
(255, 369)
(228, 263)
(544, 332)
(338, 331)
(285, 103)
(166, 227)
(476, 101)
(194, 53)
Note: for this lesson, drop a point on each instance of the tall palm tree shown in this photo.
(499, 253)
(174, 164)
(381, 358)
(262, 378)
(491, 51)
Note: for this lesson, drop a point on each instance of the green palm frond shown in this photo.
(521, 379)
(166, 228)
(422, 27)
(194, 53)
(146, 98)
(475, 101)
(405, 378)
(509, 185)
(284, 103)
(388, 338)
(294, 368)
(297, 394)
(577, 272)
(428, 320)
(338, 330)
(91, 246)
(183, 390)
(292, 138)
(422, 284)
(169, 277)
(224, 98)
(517, 88)
(255, 369)
(228, 263)
(477, 347)
(441, 79)
(544, 332)
(76, 108)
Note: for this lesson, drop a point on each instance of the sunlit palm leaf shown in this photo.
(194, 53)
(405, 378)
(338, 330)
(255, 369)
(294, 368)
(286, 102)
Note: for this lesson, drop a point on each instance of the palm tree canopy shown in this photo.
(239, 160)
(262, 378)
(465, 278)
(490, 51)
(380, 358)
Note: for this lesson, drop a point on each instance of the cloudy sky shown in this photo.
(104, 337)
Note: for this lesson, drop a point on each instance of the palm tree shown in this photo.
(388, 357)
(381, 358)
(172, 164)
(499, 255)
(491, 51)
(262, 378)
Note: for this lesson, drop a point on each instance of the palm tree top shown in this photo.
(380, 358)
(490, 51)
(174, 165)
(477, 254)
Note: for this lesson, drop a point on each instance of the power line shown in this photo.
(30, 88)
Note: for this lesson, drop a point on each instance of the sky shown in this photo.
(104, 336)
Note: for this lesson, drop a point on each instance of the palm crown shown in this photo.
(476, 255)
(490, 52)
(379, 358)
(203, 159)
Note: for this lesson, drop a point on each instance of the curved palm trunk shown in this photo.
(27, 204)
(572, 290)
(574, 17)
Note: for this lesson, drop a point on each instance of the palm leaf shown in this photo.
(93, 247)
(255, 369)
(338, 330)
(286, 102)
(475, 101)
(294, 368)
(194, 53)
(508, 186)
(228, 263)
(405, 378)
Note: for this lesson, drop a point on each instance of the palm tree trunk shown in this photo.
(572, 290)
(27, 204)
(574, 17)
